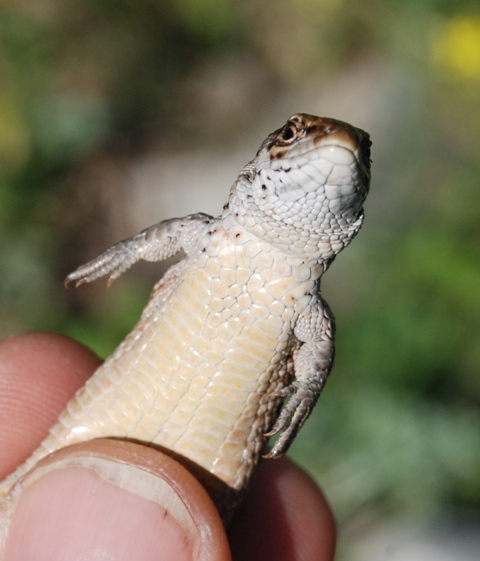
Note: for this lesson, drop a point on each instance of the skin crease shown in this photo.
(284, 517)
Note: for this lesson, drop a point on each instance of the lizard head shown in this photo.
(304, 133)
(309, 180)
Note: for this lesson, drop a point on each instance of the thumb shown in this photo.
(109, 499)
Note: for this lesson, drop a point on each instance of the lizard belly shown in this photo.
(198, 377)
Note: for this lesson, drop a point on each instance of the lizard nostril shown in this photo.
(365, 145)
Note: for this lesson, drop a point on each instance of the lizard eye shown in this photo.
(288, 133)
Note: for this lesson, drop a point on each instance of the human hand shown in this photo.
(100, 509)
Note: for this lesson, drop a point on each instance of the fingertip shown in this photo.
(39, 373)
(32, 355)
(288, 510)
(122, 498)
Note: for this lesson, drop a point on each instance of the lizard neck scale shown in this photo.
(238, 324)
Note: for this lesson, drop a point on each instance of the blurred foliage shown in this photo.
(398, 429)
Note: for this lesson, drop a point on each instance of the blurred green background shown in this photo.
(115, 114)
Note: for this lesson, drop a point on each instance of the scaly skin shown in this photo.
(238, 324)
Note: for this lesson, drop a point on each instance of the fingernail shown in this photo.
(89, 507)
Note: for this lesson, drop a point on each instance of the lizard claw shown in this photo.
(72, 277)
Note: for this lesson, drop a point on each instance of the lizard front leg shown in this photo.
(313, 361)
(156, 243)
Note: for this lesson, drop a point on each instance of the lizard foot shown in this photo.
(114, 261)
(304, 395)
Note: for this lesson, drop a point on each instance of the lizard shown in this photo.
(238, 326)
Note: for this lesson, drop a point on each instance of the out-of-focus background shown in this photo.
(115, 114)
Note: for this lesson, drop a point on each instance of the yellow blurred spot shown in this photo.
(456, 47)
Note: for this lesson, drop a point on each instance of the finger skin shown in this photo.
(284, 516)
(39, 374)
